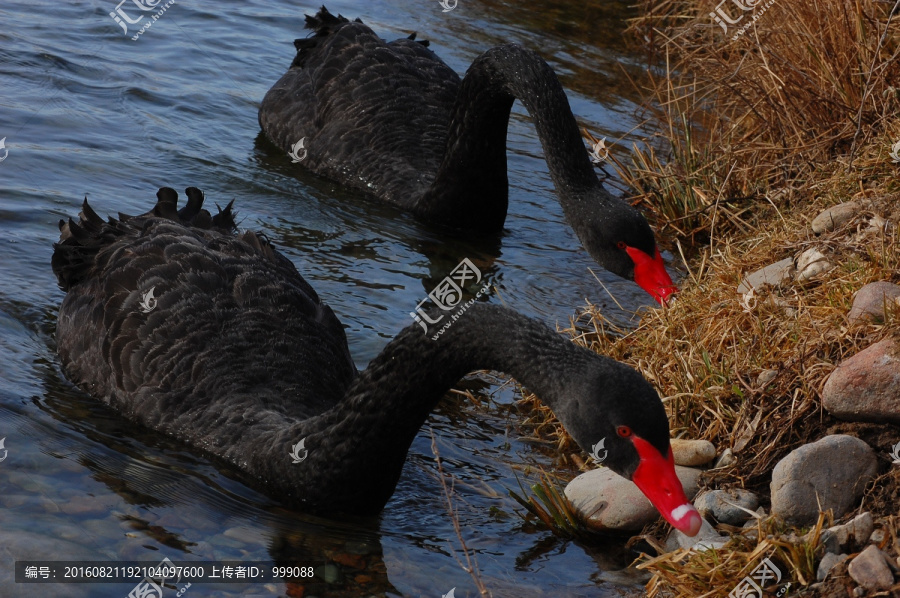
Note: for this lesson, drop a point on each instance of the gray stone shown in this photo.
(705, 539)
(866, 387)
(765, 377)
(719, 504)
(832, 472)
(810, 264)
(773, 275)
(725, 459)
(606, 500)
(870, 569)
(828, 562)
(692, 452)
(835, 216)
(856, 530)
(873, 301)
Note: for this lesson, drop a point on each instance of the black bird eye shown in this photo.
(621, 245)
(624, 431)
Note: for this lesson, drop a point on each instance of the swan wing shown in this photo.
(377, 111)
(236, 331)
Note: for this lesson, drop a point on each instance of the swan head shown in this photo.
(618, 237)
(615, 404)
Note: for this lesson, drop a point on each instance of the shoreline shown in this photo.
(782, 195)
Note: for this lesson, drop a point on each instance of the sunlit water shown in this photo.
(86, 110)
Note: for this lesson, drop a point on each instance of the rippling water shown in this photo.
(87, 111)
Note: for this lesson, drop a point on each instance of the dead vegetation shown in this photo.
(751, 139)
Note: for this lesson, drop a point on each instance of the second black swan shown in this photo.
(213, 338)
(392, 120)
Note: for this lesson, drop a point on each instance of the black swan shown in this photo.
(215, 339)
(392, 120)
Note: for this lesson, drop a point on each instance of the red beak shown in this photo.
(650, 273)
(655, 476)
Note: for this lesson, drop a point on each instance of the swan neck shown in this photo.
(472, 179)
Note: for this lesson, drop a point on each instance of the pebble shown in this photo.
(705, 539)
(831, 473)
(773, 274)
(810, 264)
(765, 377)
(606, 500)
(692, 452)
(719, 504)
(835, 216)
(871, 300)
(870, 569)
(829, 562)
(877, 536)
(725, 459)
(838, 538)
(866, 387)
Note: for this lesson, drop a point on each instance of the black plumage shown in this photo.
(392, 120)
(212, 337)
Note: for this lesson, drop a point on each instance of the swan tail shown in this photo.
(412, 38)
(75, 254)
(322, 24)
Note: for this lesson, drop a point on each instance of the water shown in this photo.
(86, 110)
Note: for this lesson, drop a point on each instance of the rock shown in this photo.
(705, 539)
(773, 274)
(831, 472)
(606, 500)
(858, 530)
(765, 377)
(719, 504)
(877, 536)
(873, 301)
(870, 569)
(725, 459)
(828, 562)
(692, 452)
(835, 216)
(810, 264)
(866, 387)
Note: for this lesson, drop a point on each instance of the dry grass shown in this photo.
(753, 138)
(705, 352)
(739, 124)
(714, 573)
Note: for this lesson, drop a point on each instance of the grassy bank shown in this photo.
(753, 137)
